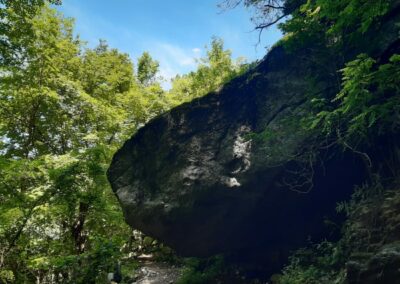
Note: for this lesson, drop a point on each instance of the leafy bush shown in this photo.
(202, 271)
(315, 264)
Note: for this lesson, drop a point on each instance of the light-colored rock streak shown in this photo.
(242, 149)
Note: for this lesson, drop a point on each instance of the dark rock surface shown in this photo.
(197, 180)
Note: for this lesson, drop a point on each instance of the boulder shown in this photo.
(222, 174)
(197, 179)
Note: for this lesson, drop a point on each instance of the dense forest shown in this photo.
(65, 109)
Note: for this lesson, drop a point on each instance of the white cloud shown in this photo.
(167, 73)
(196, 50)
(177, 54)
(174, 60)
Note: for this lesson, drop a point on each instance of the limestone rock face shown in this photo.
(196, 179)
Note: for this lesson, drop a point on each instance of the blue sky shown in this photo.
(174, 32)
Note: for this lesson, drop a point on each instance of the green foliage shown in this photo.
(360, 109)
(147, 69)
(354, 15)
(212, 72)
(368, 102)
(372, 214)
(362, 102)
(332, 23)
(202, 271)
(47, 199)
(106, 72)
(64, 110)
(16, 28)
(315, 264)
(360, 196)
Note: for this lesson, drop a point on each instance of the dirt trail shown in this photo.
(158, 273)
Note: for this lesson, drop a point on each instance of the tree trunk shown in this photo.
(77, 228)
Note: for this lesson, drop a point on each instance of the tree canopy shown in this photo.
(213, 71)
(64, 110)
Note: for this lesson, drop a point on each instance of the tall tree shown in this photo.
(15, 28)
(147, 69)
(58, 214)
(212, 72)
(106, 72)
(31, 92)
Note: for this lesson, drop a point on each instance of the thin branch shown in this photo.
(308, 176)
(26, 218)
(227, 4)
(269, 6)
(267, 25)
(362, 154)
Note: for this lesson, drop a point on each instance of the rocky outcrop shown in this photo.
(200, 181)
(195, 179)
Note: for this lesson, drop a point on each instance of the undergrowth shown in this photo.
(372, 222)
